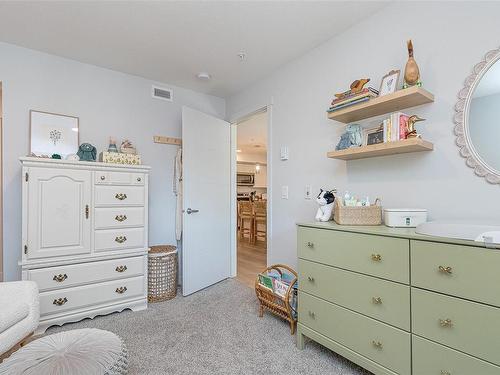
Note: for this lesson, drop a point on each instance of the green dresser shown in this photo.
(396, 302)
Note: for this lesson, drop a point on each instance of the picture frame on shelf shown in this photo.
(53, 133)
(374, 135)
(389, 83)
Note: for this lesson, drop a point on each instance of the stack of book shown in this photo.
(395, 127)
(353, 99)
(275, 282)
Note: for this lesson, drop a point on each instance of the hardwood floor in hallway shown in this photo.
(251, 261)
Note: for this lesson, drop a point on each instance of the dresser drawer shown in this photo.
(113, 195)
(430, 358)
(383, 300)
(86, 273)
(466, 326)
(91, 295)
(386, 345)
(463, 271)
(122, 217)
(383, 257)
(115, 239)
(118, 178)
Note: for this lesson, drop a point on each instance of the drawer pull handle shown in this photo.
(312, 314)
(121, 196)
(377, 344)
(447, 270)
(121, 268)
(310, 279)
(443, 372)
(87, 211)
(121, 239)
(139, 179)
(121, 290)
(376, 257)
(445, 323)
(60, 278)
(377, 300)
(120, 218)
(103, 178)
(60, 301)
(310, 244)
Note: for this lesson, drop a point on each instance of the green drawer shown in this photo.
(430, 358)
(384, 257)
(466, 326)
(386, 345)
(380, 299)
(473, 271)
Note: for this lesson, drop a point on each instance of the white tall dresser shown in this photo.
(84, 237)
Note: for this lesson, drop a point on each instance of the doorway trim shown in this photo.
(238, 118)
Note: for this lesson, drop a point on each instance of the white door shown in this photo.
(206, 200)
(59, 212)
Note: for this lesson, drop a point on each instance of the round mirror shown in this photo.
(478, 118)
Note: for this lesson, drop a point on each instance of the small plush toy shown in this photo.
(87, 152)
(325, 200)
(353, 137)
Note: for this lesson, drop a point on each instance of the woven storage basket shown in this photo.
(368, 215)
(162, 273)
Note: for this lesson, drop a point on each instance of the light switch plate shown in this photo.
(284, 192)
(284, 153)
(308, 192)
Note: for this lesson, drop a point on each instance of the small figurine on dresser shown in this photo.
(112, 145)
(127, 147)
(353, 137)
(325, 200)
(412, 73)
(87, 152)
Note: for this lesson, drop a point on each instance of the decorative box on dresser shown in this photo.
(396, 302)
(84, 237)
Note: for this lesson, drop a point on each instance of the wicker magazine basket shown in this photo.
(162, 273)
(280, 306)
(368, 215)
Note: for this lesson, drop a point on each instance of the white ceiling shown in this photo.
(252, 134)
(171, 41)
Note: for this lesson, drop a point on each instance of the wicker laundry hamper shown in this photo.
(162, 273)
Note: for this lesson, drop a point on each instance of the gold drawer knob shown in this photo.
(139, 179)
(60, 301)
(120, 218)
(121, 239)
(121, 268)
(121, 290)
(312, 314)
(444, 372)
(376, 257)
(103, 178)
(310, 279)
(445, 323)
(60, 278)
(310, 244)
(377, 344)
(377, 300)
(121, 196)
(447, 270)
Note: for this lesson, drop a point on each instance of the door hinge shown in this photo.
(26, 177)
(26, 249)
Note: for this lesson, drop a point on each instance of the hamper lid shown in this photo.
(162, 249)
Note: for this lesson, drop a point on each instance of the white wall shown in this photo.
(108, 104)
(449, 38)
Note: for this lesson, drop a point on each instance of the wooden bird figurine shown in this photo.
(356, 86)
(411, 131)
(412, 73)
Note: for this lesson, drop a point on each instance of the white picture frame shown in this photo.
(52, 133)
(389, 83)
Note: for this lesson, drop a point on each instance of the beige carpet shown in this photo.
(215, 331)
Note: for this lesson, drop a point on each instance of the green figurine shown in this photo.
(87, 152)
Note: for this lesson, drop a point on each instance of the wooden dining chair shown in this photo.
(245, 215)
(260, 218)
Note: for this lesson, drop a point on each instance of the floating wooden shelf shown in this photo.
(401, 99)
(381, 149)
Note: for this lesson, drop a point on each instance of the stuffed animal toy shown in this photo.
(87, 152)
(325, 200)
(353, 137)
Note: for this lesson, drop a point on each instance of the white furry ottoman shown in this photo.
(80, 352)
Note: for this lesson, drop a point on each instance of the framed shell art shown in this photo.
(52, 133)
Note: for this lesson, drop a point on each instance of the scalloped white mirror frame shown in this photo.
(461, 118)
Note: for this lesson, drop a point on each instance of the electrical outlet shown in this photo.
(308, 192)
(284, 192)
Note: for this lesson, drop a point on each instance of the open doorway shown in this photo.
(251, 196)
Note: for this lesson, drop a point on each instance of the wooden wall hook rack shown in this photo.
(167, 140)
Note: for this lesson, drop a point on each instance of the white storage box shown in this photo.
(404, 217)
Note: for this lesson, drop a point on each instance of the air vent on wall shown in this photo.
(162, 93)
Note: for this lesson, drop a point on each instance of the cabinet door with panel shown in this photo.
(58, 222)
